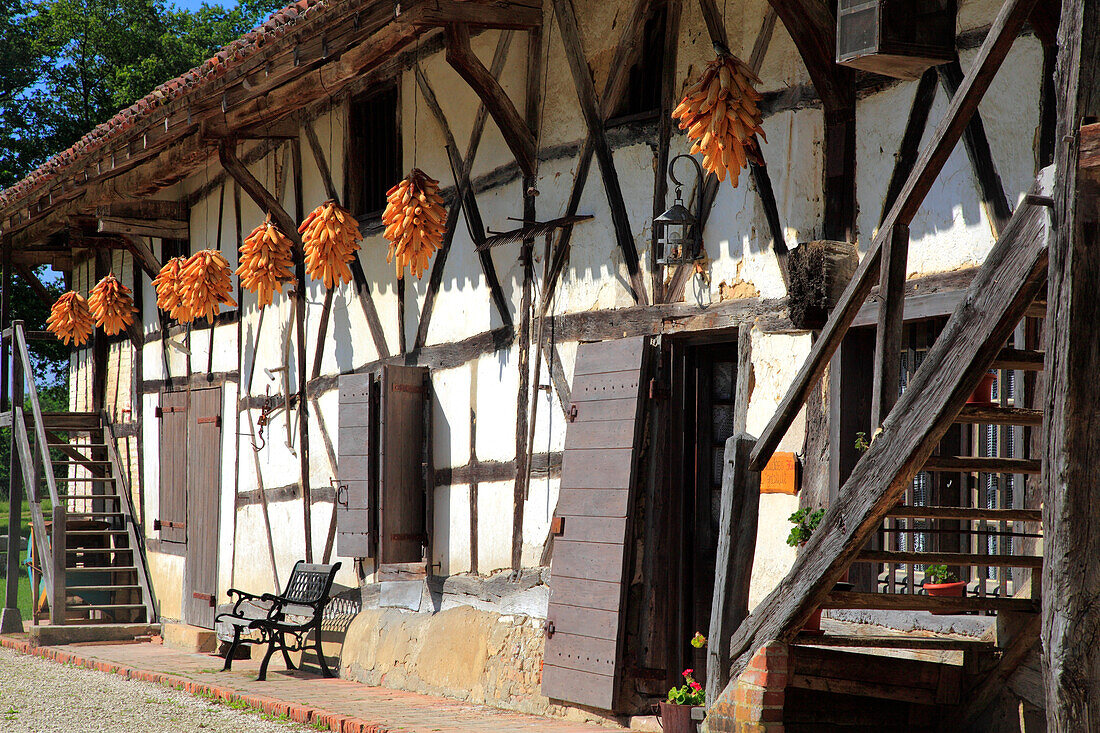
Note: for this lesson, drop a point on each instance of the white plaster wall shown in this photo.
(951, 231)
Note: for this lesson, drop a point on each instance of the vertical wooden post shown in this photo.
(891, 313)
(300, 318)
(5, 322)
(737, 522)
(99, 341)
(1071, 461)
(664, 138)
(57, 564)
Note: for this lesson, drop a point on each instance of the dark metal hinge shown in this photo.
(572, 413)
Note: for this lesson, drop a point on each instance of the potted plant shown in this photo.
(983, 393)
(939, 581)
(805, 522)
(674, 714)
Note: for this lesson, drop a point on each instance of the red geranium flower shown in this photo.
(696, 686)
(688, 671)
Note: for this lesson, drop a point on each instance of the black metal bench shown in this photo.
(296, 612)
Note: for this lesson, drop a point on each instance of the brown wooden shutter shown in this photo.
(358, 464)
(401, 490)
(585, 616)
(204, 470)
(172, 513)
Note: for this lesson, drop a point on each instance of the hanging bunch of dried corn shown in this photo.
(112, 305)
(331, 238)
(167, 284)
(415, 222)
(266, 257)
(204, 284)
(71, 319)
(722, 118)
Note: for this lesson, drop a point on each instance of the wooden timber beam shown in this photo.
(1071, 463)
(963, 104)
(516, 134)
(462, 183)
(144, 209)
(990, 187)
(143, 256)
(259, 195)
(617, 76)
(469, 201)
(594, 120)
(41, 291)
(812, 27)
(909, 148)
(673, 11)
(162, 228)
(997, 299)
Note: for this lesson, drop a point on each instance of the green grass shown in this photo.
(24, 581)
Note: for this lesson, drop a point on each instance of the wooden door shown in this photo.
(582, 661)
(171, 516)
(401, 458)
(357, 465)
(204, 438)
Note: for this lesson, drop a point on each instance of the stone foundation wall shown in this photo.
(463, 653)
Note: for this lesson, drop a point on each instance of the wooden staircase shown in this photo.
(87, 548)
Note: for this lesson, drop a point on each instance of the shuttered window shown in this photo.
(582, 661)
(172, 512)
(381, 503)
(374, 129)
(204, 465)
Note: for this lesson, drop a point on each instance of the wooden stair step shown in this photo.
(82, 461)
(103, 569)
(994, 415)
(913, 602)
(76, 420)
(895, 641)
(991, 464)
(102, 606)
(96, 514)
(108, 588)
(94, 533)
(1024, 360)
(96, 550)
(966, 559)
(964, 513)
(104, 479)
(116, 497)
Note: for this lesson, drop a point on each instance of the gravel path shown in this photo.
(41, 696)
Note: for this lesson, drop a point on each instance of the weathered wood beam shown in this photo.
(1014, 653)
(321, 160)
(812, 27)
(322, 332)
(469, 203)
(909, 148)
(300, 356)
(996, 301)
(617, 76)
(41, 291)
(143, 256)
(462, 183)
(963, 104)
(144, 209)
(516, 134)
(260, 196)
(664, 137)
(163, 228)
(1071, 461)
(216, 129)
(594, 120)
(990, 187)
(739, 512)
(887, 377)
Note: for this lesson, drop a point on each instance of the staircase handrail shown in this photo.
(30, 482)
(23, 356)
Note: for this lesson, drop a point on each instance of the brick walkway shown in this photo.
(345, 706)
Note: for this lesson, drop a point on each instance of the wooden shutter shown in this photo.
(358, 464)
(401, 489)
(204, 468)
(584, 619)
(172, 513)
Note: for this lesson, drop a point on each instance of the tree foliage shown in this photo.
(69, 65)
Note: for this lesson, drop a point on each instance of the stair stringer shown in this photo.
(996, 300)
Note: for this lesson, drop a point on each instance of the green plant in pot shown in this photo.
(675, 712)
(939, 581)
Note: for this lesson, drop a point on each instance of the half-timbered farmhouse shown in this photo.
(577, 439)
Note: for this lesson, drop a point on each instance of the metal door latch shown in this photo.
(341, 491)
(548, 627)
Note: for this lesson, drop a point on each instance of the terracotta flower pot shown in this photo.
(983, 393)
(946, 590)
(675, 718)
(813, 624)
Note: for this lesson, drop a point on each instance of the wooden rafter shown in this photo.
(40, 290)
(462, 184)
(909, 147)
(664, 136)
(594, 120)
(993, 51)
(516, 134)
(143, 256)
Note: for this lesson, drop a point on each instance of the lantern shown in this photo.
(898, 38)
(679, 237)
